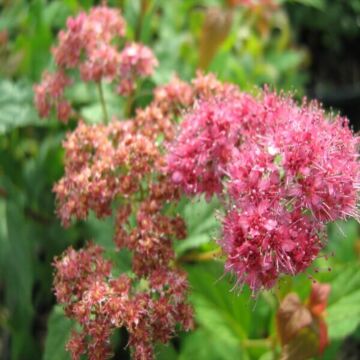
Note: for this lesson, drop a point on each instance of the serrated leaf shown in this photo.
(58, 332)
(216, 307)
(206, 345)
(201, 223)
(17, 270)
(343, 316)
(16, 106)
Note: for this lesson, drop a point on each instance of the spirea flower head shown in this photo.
(86, 33)
(208, 138)
(50, 94)
(102, 163)
(136, 61)
(265, 241)
(282, 171)
(100, 302)
(89, 45)
(316, 156)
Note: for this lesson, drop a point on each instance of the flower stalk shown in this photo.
(102, 102)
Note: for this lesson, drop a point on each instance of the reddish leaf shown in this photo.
(292, 316)
(318, 298)
(301, 328)
(302, 347)
(215, 30)
(323, 335)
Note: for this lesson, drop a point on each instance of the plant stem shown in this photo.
(129, 105)
(205, 256)
(256, 343)
(143, 8)
(102, 101)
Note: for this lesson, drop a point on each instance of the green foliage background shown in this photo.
(229, 325)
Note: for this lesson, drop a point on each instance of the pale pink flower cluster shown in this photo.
(282, 170)
(89, 45)
(102, 163)
(86, 34)
(50, 94)
(136, 61)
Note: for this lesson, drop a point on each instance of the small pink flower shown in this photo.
(50, 93)
(199, 156)
(137, 59)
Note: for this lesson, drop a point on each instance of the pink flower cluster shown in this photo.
(282, 170)
(102, 163)
(100, 303)
(136, 61)
(50, 94)
(115, 168)
(120, 168)
(253, 3)
(88, 44)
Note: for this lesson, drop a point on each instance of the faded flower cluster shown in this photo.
(282, 171)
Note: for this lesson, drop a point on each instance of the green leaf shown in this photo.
(16, 106)
(217, 308)
(16, 241)
(101, 231)
(342, 238)
(58, 331)
(201, 223)
(165, 352)
(319, 4)
(206, 345)
(343, 313)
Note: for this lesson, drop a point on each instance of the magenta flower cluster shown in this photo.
(283, 172)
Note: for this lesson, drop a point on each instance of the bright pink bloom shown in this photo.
(282, 170)
(199, 156)
(264, 241)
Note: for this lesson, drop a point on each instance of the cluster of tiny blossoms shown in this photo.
(89, 44)
(119, 169)
(283, 171)
(115, 169)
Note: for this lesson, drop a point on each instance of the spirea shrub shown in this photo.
(282, 172)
